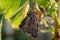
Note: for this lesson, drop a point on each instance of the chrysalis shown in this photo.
(30, 24)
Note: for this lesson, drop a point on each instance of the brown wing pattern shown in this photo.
(30, 24)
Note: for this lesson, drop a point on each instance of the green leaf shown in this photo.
(9, 6)
(22, 2)
(42, 3)
(51, 29)
(58, 21)
(13, 10)
(1, 13)
(20, 35)
(17, 17)
(51, 11)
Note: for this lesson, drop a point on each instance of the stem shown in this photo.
(56, 25)
(31, 5)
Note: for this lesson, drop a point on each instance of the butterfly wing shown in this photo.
(30, 24)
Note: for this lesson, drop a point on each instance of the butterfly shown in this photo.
(30, 24)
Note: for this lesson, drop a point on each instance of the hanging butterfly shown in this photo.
(30, 24)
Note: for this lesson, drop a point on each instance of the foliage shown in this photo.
(13, 10)
(9, 6)
(51, 6)
(20, 35)
(1, 13)
(42, 3)
(58, 21)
